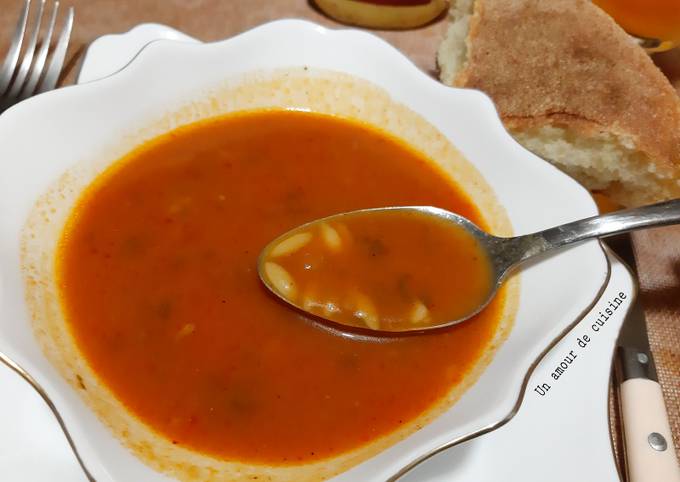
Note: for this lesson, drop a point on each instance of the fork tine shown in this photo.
(57, 61)
(29, 52)
(39, 64)
(15, 47)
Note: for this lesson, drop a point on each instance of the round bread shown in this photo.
(574, 88)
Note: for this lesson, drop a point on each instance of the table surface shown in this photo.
(657, 250)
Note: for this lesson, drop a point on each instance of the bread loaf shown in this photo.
(573, 87)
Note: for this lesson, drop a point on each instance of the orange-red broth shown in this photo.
(157, 276)
(394, 270)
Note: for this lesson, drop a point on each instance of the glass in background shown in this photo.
(655, 22)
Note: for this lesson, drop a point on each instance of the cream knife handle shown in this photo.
(647, 432)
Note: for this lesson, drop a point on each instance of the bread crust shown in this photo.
(566, 62)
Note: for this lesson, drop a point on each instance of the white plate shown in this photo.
(73, 122)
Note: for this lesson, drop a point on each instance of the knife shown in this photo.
(648, 443)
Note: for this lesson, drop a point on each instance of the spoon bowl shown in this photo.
(285, 282)
(498, 256)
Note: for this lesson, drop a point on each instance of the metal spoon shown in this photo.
(505, 254)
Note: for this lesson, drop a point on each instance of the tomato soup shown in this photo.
(157, 273)
(385, 269)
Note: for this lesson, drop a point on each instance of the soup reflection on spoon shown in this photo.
(415, 268)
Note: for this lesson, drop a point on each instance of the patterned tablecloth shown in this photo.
(658, 250)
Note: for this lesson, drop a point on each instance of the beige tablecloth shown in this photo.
(658, 250)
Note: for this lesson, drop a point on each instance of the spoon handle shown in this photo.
(618, 222)
(661, 214)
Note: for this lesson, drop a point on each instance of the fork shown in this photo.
(22, 79)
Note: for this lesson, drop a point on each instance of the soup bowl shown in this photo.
(55, 144)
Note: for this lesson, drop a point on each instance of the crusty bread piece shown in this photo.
(571, 86)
